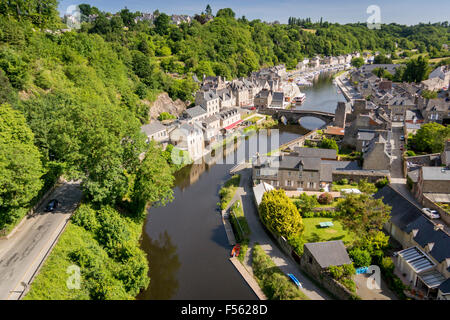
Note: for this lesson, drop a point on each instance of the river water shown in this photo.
(185, 241)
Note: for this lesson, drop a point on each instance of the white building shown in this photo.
(189, 137)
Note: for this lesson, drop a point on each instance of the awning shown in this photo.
(432, 279)
(232, 126)
(417, 259)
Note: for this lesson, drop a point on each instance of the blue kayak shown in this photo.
(293, 278)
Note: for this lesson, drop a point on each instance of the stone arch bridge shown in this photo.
(294, 116)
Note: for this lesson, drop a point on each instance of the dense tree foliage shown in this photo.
(20, 164)
(362, 214)
(430, 138)
(280, 215)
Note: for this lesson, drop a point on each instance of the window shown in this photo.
(310, 260)
(258, 172)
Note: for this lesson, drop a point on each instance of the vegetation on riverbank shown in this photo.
(228, 190)
(104, 243)
(275, 285)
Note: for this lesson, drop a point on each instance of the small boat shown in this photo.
(300, 99)
(295, 280)
(236, 250)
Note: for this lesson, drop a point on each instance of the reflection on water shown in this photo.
(164, 264)
(323, 95)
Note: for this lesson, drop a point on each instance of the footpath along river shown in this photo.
(185, 241)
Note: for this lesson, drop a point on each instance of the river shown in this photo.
(185, 241)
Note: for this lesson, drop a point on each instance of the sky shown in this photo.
(342, 11)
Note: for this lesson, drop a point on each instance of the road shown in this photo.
(22, 255)
(259, 235)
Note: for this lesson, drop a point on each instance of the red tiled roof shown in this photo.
(335, 131)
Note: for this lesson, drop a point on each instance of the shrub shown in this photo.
(343, 182)
(360, 257)
(280, 215)
(275, 285)
(85, 217)
(166, 116)
(325, 198)
(381, 183)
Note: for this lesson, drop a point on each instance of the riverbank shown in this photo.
(98, 257)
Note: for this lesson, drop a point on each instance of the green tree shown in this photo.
(328, 144)
(416, 70)
(20, 164)
(154, 181)
(280, 215)
(382, 59)
(162, 23)
(357, 62)
(430, 138)
(226, 13)
(363, 214)
(306, 203)
(367, 187)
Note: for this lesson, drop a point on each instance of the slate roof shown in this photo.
(445, 286)
(435, 173)
(330, 253)
(408, 217)
(278, 96)
(316, 153)
(366, 135)
(209, 95)
(328, 166)
(195, 112)
(152, 128)
(403, 212)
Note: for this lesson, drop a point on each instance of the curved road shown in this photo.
(22, 255)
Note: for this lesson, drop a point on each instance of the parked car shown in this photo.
(402, 138)
(52, 205)
(432, 214)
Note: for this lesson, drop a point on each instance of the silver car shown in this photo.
(432, 214)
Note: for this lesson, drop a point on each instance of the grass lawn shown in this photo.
(228, 190)
(337, 187)
(313, 232)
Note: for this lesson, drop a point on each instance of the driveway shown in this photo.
(362, 289)
(259, 235)
(22, 255)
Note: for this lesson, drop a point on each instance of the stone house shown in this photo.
(428, 243)
(195, 114)
(317, 257)
(211, 129)
(432, 180)
(263, 99)
(377, 154)
(241, 92)
(288, 172)
(435, 110)
(226, 99)
(155, 131)
(277, 100)
(209, 101)
(229, 117)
